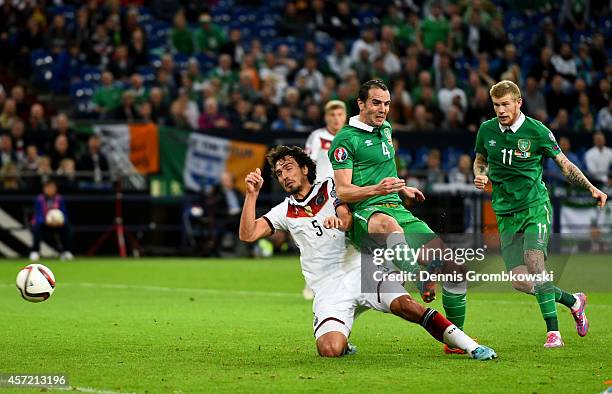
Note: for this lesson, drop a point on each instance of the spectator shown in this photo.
(533, 99)
(410, 73)
(458, 36)
(127, 110)
(493, 37)
(37, 129)
(565, 63)
(184, 112)
(93, 161)
(342, 24)
(479, 110)
(292, 24)
(434, 28)
(7, 153)
(62, 127)
(433, 168)
(58, 34)
(421, 120)
(181, 37)
(604, 118)
(602, 94)
(107, 96)
(363, 67)
(224, 206)
(285, 121)
(121, 66)
(22, 104)
(391, 62)
(209, 37)
(582, 112)
(451, 95)
(18, 140)
(285, 60)
(211, 118)
(313, 77)
(234, 47)
(453, 118)
(60, 151)
(259, 119)
(430, 101)
(8, 115)
(424, 81)
(484, 71)
(137, 49)
(66, 175)
(338, 61)
(560, 121)
(31, 161)
(138, 89)
(598, 159)
(548, 36)
(368, 42)
(99, 46)
(159, 109)
(47, 200)
(574, 14)
(225, 74)
(543, 71)
(462, 172)
(556, 98)
(401, 105)
(599, 52)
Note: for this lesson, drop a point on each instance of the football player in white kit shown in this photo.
(317, 146)
(330, 268)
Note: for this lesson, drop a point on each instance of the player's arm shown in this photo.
(252, 229)
(347, 192)
(481, 171)
(343, 220)
(573, 174)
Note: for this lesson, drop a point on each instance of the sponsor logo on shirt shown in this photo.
(368, 142)
(492, 142)
(340, 154)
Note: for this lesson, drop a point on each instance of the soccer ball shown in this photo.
(36, 283)
(54, 218)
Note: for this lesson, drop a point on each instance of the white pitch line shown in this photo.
(251, 293)
(89, 390)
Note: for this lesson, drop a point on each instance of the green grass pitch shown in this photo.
(237, 325)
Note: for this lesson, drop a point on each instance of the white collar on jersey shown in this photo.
(515, 126)
(355, 122)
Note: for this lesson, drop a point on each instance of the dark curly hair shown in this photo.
(298, 154)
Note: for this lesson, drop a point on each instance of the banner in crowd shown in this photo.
(208, 157)
(585, 219)
(138, 143)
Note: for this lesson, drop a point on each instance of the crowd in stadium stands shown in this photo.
(267, 66)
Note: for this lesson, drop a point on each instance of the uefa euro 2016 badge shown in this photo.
(523, 146)
(340, 154)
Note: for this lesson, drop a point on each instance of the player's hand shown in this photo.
(600, 196)
(332, 222)
(481, 181)
(254, 181)
(412, 193)
(390, 185)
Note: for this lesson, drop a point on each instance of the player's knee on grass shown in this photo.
(332, 344)
(407, 308)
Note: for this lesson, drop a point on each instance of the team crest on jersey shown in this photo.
(340, 154)
(524, 145)
(387, 133)
(325, 144)
(312, 207)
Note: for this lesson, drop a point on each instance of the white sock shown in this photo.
(455, 288)
(576, 304)
(454, 337)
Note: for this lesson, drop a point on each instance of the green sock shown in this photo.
(545, 294)
(454, 307)
(564, 298)
(396, 241)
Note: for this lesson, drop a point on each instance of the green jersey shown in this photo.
(516, 156)
(368, 151)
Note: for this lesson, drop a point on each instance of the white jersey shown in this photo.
(317, 146)
(324, 254)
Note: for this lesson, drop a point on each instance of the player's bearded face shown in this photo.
(290, 175)
(507, 109)
(375, 109)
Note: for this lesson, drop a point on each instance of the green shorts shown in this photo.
(416, 231)
(524, 230)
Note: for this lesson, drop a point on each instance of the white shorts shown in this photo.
(336, 304)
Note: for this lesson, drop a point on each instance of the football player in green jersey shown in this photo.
(510, 149)
(362, 156)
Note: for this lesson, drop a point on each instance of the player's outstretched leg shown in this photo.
(576, 302)
(439, 327)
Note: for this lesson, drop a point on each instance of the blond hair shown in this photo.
(505, 87)
(334, 104)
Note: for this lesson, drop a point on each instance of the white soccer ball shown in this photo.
(36, 283)
(54, 218)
